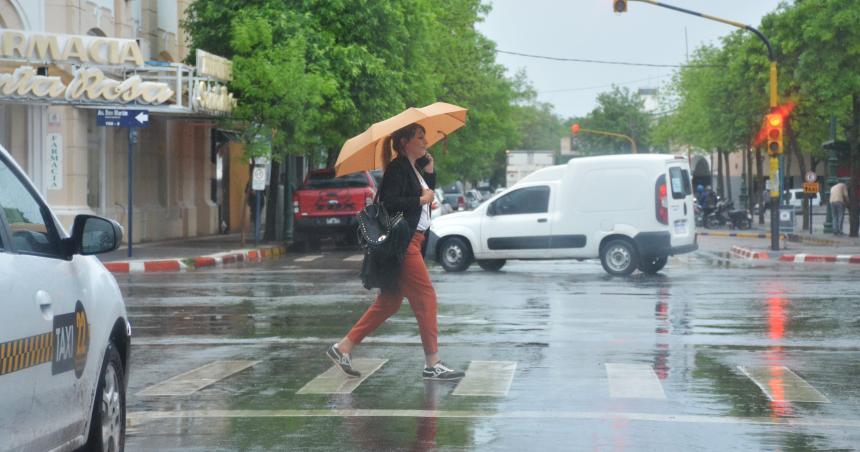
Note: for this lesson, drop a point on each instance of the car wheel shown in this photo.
(455, 254)
(107, 426)
(492, 265)
(619, 257)
(652, 265)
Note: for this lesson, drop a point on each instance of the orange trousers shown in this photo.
(414, 284)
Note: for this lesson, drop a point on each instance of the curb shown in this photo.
(193, 263)
(747, 253)
(815, 258)
(743, 235)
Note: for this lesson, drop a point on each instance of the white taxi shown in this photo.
(64, 334)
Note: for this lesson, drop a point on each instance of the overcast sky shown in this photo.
(588, 29)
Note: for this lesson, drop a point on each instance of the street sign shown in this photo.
(110, 117)
(811, 187)
(258, 181)
(810, 176)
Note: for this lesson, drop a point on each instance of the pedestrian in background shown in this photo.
(410, 191)
(838, 199)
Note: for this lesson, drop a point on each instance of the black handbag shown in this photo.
(384, 239)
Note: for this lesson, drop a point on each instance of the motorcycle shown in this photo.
(699, 214)
(725, 214)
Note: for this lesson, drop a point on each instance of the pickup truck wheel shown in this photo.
(107, 425)
(492, 265)
(619, 257)
(455, 255)
(652, 265)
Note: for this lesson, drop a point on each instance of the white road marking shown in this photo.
(140, 417)
(308, 258)
(333, 381)
(780, 384)
(487, 378)
(633, 381)
(356, 258)
(194, 380)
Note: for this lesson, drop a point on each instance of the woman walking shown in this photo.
(406, 190)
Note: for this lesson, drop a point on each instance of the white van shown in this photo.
(630, 211)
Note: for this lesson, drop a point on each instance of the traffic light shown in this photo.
(619, 6)
(574, 129)
(774, 126)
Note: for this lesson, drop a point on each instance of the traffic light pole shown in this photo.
(633, 148)
(774, 101)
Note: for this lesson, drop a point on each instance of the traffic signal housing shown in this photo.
(774, 128)
(619, 6)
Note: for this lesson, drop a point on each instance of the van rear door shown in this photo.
(679, 197)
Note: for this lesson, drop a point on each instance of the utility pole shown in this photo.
(774, 101)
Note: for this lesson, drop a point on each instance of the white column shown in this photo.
(37, 122)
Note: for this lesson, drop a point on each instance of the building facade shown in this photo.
(65, 62)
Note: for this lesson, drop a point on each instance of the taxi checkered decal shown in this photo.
(27, 352)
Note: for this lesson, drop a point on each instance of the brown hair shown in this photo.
(396, 140)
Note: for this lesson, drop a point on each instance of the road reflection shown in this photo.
(777, 318)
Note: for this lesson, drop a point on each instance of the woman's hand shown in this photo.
(427, 196)
(429, 167)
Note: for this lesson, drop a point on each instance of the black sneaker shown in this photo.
(342, 361)
(440, 371)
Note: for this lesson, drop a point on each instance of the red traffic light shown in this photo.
(574, 129)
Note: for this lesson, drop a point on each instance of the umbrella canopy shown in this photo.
(364, 152)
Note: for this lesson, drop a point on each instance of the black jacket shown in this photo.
(401, 190)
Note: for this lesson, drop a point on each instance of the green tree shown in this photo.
(618, 111)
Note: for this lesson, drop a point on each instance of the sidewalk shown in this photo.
(794, 248)
(189, 254)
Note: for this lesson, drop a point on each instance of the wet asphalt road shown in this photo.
(728, 350)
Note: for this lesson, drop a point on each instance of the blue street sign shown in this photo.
(110, 117)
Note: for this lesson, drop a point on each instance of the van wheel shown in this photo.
(652, 265)
(492, 265)
(107, 425)
(619, 257)
(455, 255)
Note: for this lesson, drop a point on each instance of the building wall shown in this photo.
(172, 164)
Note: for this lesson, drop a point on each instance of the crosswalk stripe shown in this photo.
(633, 381)
(308, 258)
(333, 381)
(194, 380)
(356, 258)
(781, 384)
(487, 378)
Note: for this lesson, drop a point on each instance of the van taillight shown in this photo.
(661, 200)
(461, 202)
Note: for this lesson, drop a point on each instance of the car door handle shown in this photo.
(541, 220)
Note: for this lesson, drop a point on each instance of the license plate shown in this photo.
(680, 227)
(333, 220)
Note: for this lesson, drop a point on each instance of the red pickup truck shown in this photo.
(325, 206)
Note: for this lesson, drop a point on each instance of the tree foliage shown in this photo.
(618, 111)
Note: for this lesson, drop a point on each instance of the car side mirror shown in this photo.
(95, 235)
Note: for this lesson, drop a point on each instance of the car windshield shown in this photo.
(327, 180)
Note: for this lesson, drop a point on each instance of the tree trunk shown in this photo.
(272, 201)
(728, 183)
(854, 141)
(760, 186)
(719, 186)
(748, 173)
(245, 204)
(794, 149)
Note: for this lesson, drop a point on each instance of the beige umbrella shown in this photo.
(364, 152)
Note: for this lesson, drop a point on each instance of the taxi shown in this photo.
(64, 333)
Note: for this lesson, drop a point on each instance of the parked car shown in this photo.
(630, 211)
(325, 206)
(64, 332)
(455, 199)
(795, 197)
(473, 199)
(444, 207)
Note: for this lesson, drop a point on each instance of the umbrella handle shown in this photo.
(444, 141)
